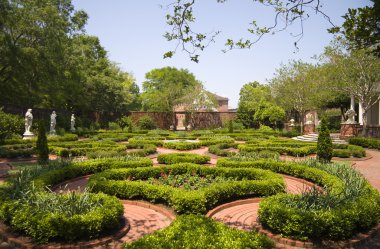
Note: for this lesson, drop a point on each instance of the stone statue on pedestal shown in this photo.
(53, 122)
(350, 117)
(28, 124)
(72, 128)
(309, 118)
(292, 122)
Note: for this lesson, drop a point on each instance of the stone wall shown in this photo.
(198, 120)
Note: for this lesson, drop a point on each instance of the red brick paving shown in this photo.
(370, 169)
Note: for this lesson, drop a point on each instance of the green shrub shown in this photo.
(281, 148)
(220, 149)
(146, 123)
(19, 151)
(182, 145)
(292, 133)
(198, 232)
(370, 143)
(41, 145)
(113, 126)
(129, 184)
(172, 158)
(264, 129)
(230, 127)
(9, 125)
(341, 153)
(46, 217)
(324, 145)
(88, 167)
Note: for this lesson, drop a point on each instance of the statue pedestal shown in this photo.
(348, 130)
(28, 135)
(308, 129)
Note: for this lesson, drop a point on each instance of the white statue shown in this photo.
(28, 125)
(351, 117)
(292, 122)
(53, 122)
(309, 118)
(28, 121)
(72, 128)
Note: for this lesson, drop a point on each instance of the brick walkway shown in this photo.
(370, 169)
(245, 216)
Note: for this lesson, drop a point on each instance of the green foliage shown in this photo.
(9, 125)
(185, 228)
(164, 88)
(47, 217)
(371, 143)
(129, 184)
(88, 167)
(146, 123)
(125, 122)
(113, 126)
(172, 158)
(220, 149)
(230, 126)
(42, 145)
(336, 212)
(182, 145)
(324, 145)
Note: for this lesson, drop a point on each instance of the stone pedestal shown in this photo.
(308, 129)
(348, 130)
(28, 135)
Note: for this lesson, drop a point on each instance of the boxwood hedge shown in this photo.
(182, 145)
(88, 167)
(172, 158)
(197, 231)
(45, 226)
(254, 182)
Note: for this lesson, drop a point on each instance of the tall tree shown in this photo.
(164, 88)
(358, 74)
(361, 28)
(293, 87)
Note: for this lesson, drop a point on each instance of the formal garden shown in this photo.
(94, 156)
(240, 188)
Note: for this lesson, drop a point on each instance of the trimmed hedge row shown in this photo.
(182, 145)
(197, 231)
(116, 182)
(142, 141)
(88, 167)
(337, 223)
(317, 176)
(370, 143)
(282, 149)
(44, 226)
(334, 224)
(219, 149)
(172, 158)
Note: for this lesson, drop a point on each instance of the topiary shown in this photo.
(42, 146)
(230, 126)
(324, 145)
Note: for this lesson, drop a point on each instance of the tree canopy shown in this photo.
(165, 87)
(48, 61)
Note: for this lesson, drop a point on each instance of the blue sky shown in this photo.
(132, 33)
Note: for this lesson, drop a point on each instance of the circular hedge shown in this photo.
(45, 223)
(251, 182)
(172, 158)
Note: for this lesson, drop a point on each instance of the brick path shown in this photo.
(244, 216)
(370, 169)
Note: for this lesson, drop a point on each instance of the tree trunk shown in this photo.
(364, 118)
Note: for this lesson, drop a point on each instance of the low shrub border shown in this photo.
(88, 167)
(47, 226)
(115, 182)
(172, 158)
(182, 145)
(282, 149)
(370, 143)
(197, 231)
(337, 223)
(219, 149)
